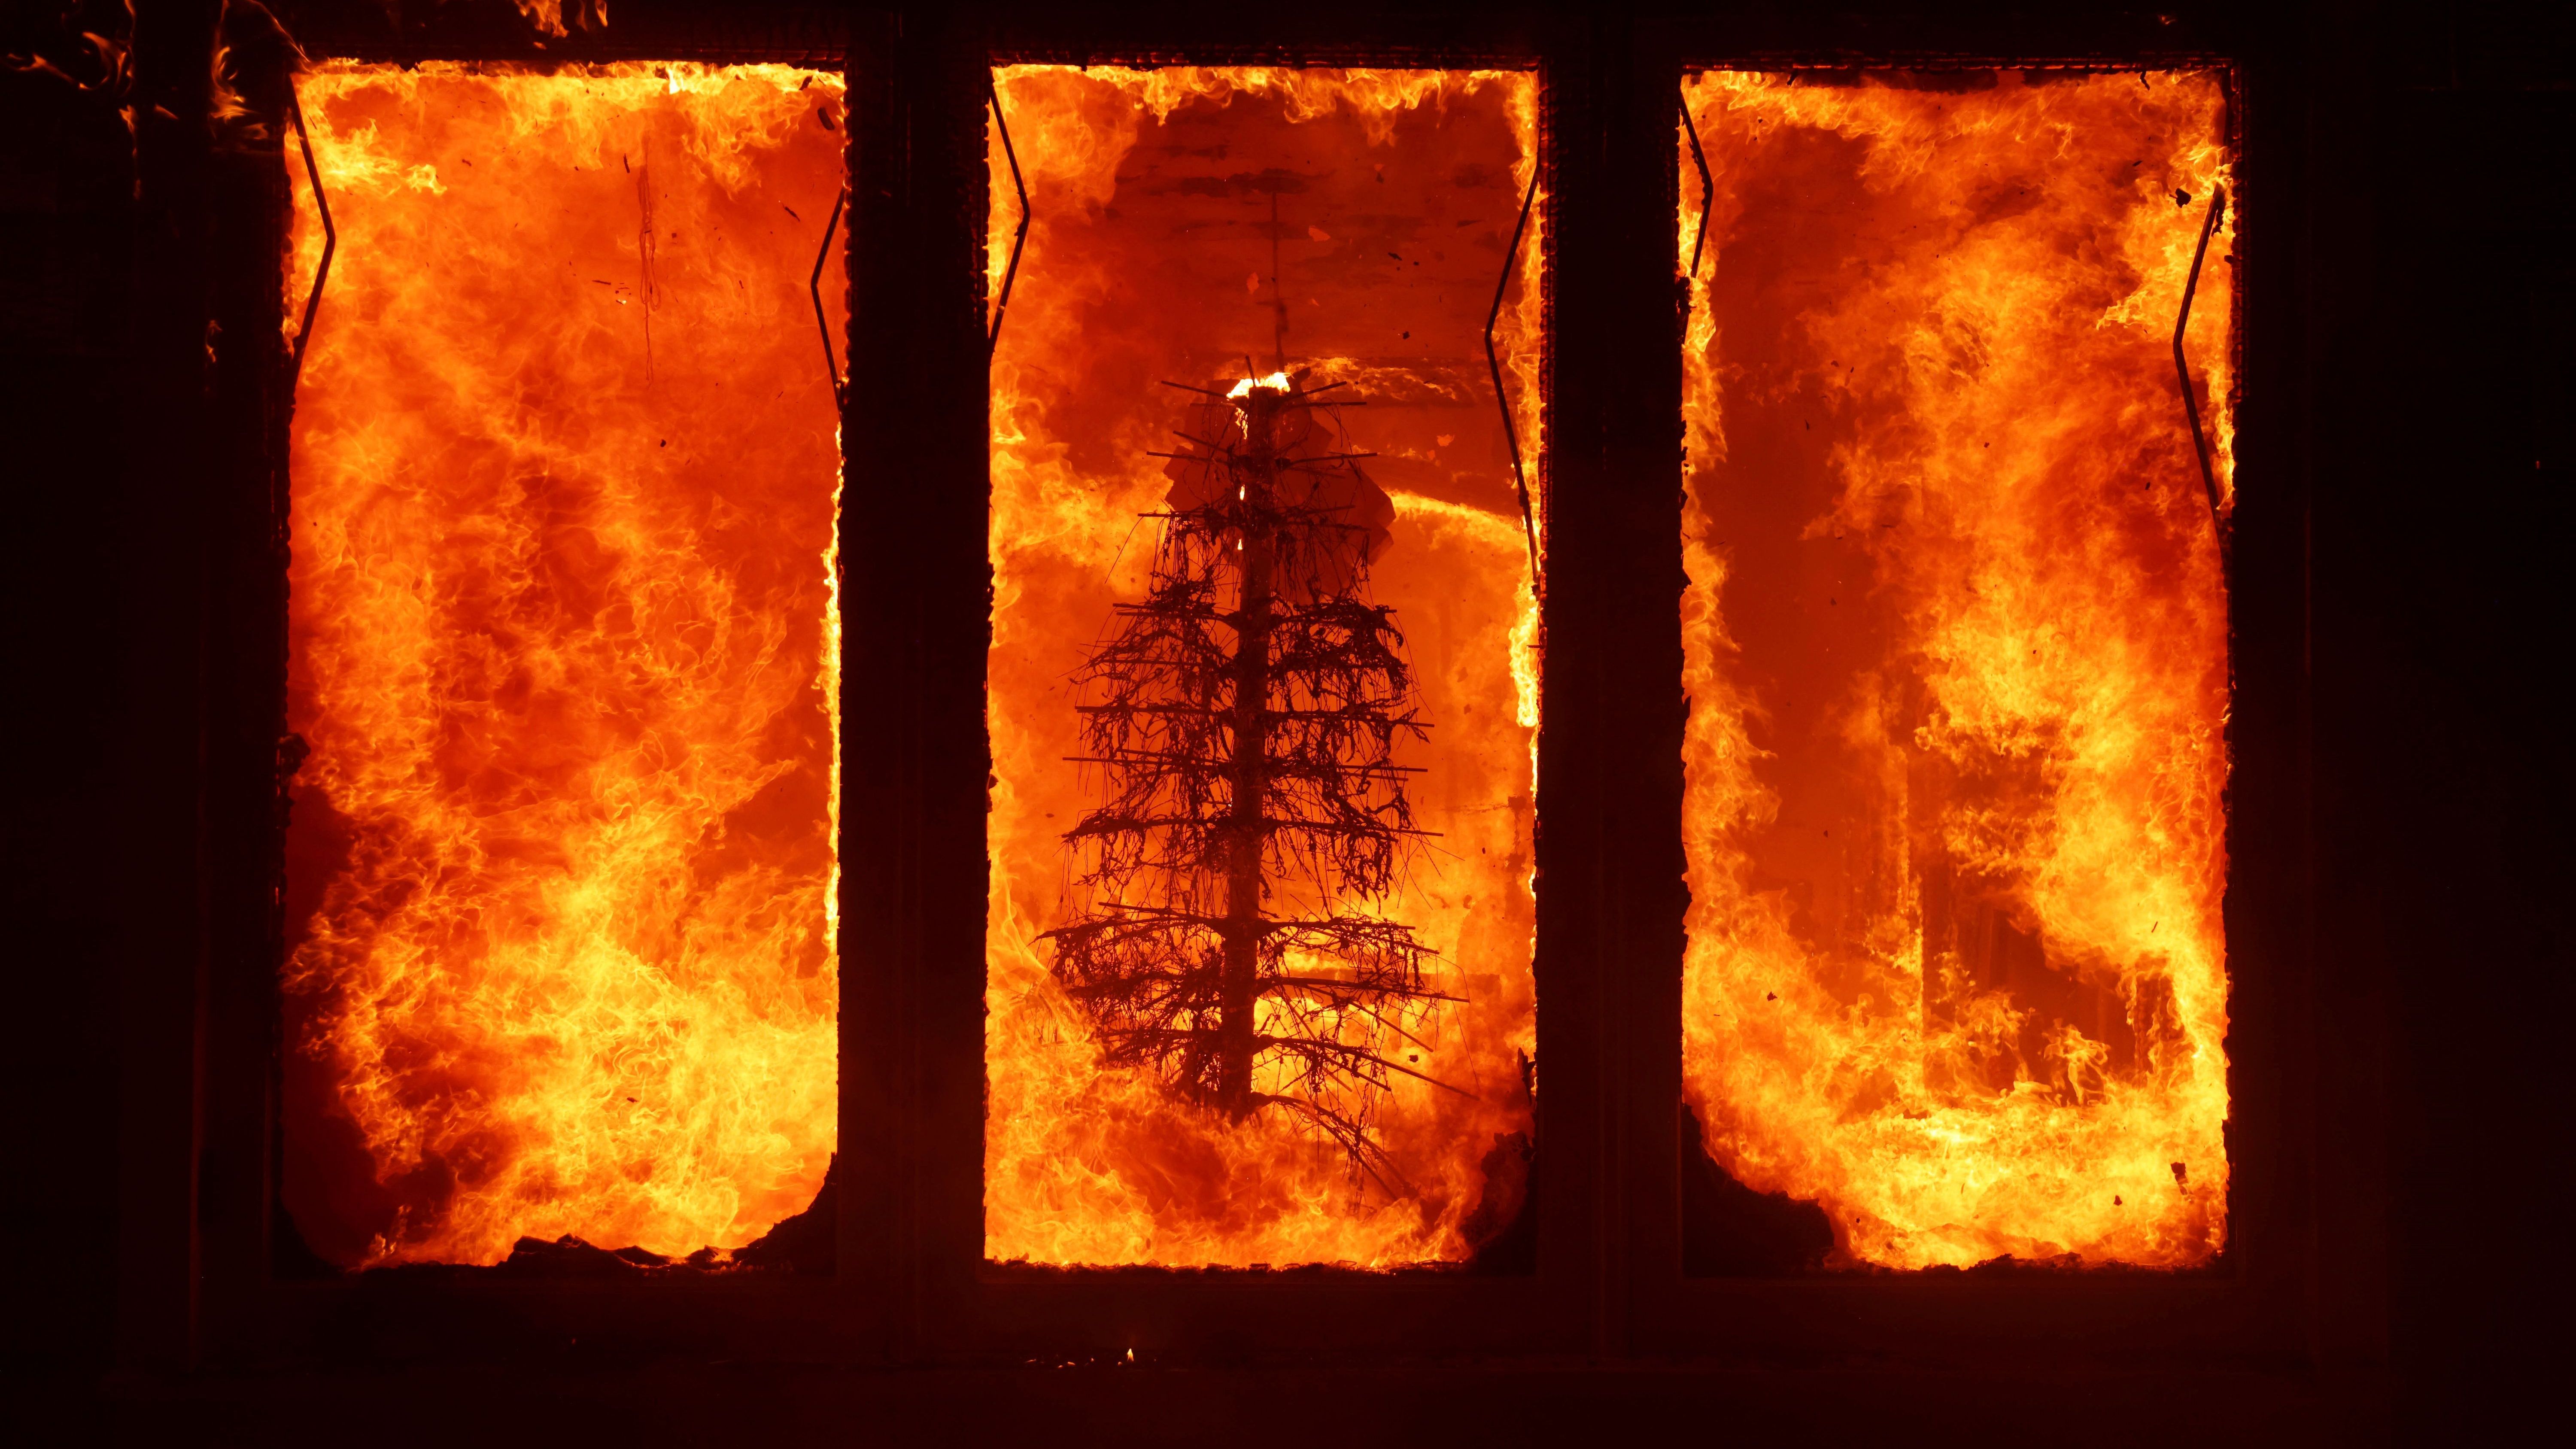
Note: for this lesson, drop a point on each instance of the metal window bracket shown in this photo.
(1707, 187)
(1020, 239)
(814, 288)
(1511, 433)
(330, 239)
(2182, 369)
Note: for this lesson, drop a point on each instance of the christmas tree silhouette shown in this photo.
(1242, 717)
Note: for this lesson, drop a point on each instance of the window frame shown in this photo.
(966, 1305)
(250, 1301)
(200, 1030)
(2250, 1302)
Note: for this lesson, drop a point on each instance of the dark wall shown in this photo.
(2442, 588)
(66, 215)
(2437, 285)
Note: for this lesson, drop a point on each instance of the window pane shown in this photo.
(1181, 1073)
(1958, 663)
(564, 647)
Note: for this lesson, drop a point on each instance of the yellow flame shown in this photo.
(1276, 382)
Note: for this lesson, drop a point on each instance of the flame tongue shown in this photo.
(1275, 382)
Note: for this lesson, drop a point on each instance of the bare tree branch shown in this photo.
(1243, 715)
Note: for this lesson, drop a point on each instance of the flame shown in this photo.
(1150, 257)
(1957, 656)
(564, 643)
(1276, 382)
(547, 16)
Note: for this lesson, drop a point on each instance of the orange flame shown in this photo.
(1957, 655)
(564, 644)
(548, 15)
(1151, 257)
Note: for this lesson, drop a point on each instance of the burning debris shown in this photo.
(1245, 715)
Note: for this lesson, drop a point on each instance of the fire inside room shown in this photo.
(1208, 250)
(563, 873)
(563, 649)
(1956, 647)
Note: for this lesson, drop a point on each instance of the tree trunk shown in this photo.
(1248, 767)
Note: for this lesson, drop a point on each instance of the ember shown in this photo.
(1958, 659)
(1342, 227)
(564, 648)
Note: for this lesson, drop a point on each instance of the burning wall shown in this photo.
(1200, 226)
(1958, 660)
(564, 648)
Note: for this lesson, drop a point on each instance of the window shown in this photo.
(563, 646)
(1292, 274)
(1958, 659)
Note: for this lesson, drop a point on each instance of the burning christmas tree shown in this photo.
(1244, 715)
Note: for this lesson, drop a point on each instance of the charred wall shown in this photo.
(2442, 781)
(66, 231)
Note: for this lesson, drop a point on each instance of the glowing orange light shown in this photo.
(564, 645)
(1957, 658)
(1153, 196)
